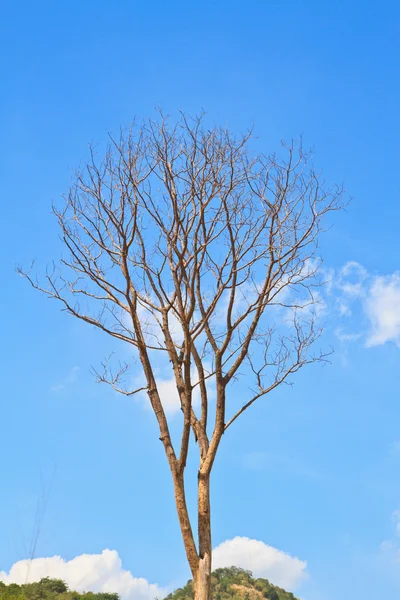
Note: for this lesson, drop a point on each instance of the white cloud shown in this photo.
(396, 446)
(348, 286)
(382, 307)
(396, 519)
(168, 391)
(378, 299)
(69, 380)
(169, 395)
(104, 572)
(346, 337)
(371, 302)
(387, 546)
(390, 549)
(263, 560)
(95, 572)
(351, 279)
(391, 554)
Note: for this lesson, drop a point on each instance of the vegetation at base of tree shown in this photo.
(48, 589)
(226, 584)
(235, 584)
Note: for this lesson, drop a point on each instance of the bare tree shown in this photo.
(182, 244)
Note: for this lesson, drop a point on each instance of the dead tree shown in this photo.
(183, 245)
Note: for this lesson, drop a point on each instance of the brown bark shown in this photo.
(200, 561)
(202, 578)
(184, 523)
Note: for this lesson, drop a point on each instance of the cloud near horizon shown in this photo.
(280, 568)
(95, 572)
(104, 572)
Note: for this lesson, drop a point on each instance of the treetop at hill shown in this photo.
(235, 583)
(48, 589)
(231, 583)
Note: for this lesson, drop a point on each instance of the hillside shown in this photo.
(227, 584)
(235, 584)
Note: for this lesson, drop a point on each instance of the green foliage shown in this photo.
(48, 589)
(227, 584)
(235, 584)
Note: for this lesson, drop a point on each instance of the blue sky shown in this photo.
(313, 471)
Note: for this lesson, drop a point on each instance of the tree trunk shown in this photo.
(202, 577)
(184, 522)
(199, 561)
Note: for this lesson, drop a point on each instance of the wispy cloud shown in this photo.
(70, 379)
(390, 548)
(377, 297)
(396, 446)
(396, 520)
(357, 307)
(263, 461)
